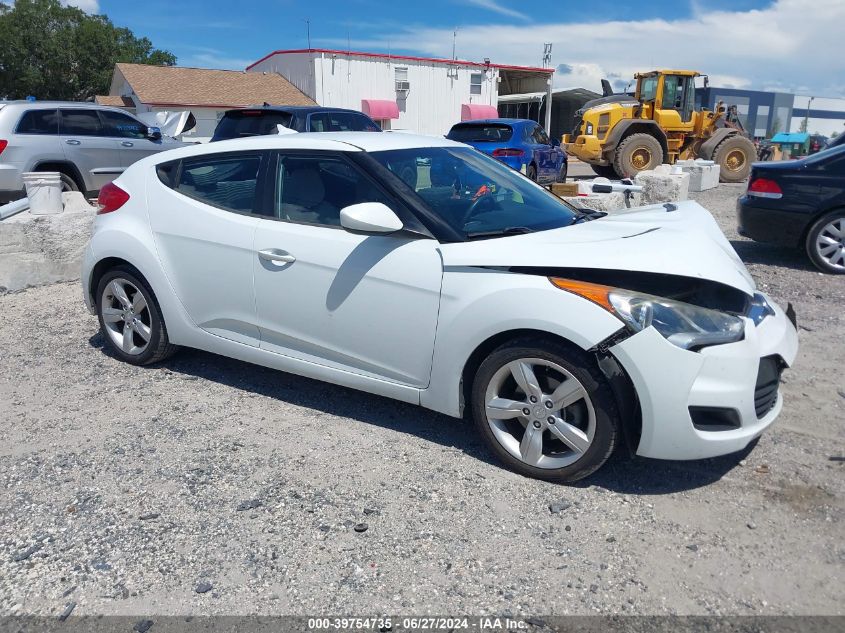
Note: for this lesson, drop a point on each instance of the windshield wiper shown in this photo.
(510, 230)
(586, 215)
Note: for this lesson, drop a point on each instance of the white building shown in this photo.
(824, 115)
(424, 95)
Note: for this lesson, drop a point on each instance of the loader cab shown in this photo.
(668, 97)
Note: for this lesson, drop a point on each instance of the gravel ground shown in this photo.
(207, 485)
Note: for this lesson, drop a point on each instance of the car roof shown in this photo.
(294, 109)
(326, 141)
(495, 121)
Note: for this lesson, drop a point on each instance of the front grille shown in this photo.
(766, 389)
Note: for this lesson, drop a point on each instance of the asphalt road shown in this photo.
(206, 485)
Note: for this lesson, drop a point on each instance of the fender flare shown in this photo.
(70, 167)
(621, 130)
(709, 146)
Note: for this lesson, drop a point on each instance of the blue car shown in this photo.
(519, 143)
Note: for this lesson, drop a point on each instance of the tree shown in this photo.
(55, 52)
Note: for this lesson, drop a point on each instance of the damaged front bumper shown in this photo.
(711, 402)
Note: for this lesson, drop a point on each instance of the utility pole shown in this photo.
(547, 62)
(807, 115)
(308, 32)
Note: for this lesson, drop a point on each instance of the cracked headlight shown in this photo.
(682, 324)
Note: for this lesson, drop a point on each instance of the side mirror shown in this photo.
(154, 133)
(369, 218)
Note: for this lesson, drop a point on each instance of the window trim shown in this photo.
(260, 180)
(29, 111)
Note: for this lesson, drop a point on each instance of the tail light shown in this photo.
(3, 144)
(111, 198)
(502, 152)
(764, 188)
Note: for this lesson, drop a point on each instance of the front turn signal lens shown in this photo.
(594, 292)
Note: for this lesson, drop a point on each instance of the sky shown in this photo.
(788, 45)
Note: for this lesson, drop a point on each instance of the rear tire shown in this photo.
(532, 173)
(605, 171)
(636, 153)
(130, 318)
(571, 426)
(825, 248)
(734, 156)
(68, 181)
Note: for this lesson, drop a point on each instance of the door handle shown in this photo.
(73, 141)
(276, 255)
(128, 144)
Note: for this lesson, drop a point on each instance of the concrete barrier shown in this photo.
(40, 249)
(703, 174)
(660, 185)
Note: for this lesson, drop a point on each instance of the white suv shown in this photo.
(88, 145)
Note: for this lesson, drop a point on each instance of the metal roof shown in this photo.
(792, 137)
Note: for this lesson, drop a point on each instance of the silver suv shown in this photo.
(89, 145)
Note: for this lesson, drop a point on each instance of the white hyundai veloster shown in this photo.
(419, 269)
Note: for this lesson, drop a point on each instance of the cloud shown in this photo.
(564, 69)
(203, 57)
(791, 45)
(89, 6)
(493, 5)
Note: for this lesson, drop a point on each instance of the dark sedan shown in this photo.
(799, 203)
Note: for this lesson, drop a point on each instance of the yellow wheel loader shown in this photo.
(621, 135)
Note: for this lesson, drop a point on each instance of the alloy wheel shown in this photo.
(830, 243)
(126, 316)
(540, 413)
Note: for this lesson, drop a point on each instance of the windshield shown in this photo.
(475, 194)
(480, 133)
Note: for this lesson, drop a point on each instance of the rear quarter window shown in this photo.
(39, 122)
(227, 181)
(480, 133)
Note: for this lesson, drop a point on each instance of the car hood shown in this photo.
(686, 242)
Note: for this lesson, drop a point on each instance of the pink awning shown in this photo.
(380, 109)
(470, 111)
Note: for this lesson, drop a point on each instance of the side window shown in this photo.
(475, 81)
(122, 125)
(313, 189)
(39, 122)
(80, 123)
(540, 136)
(360, 123)
(227, 181)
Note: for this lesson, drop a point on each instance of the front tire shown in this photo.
(636, 153)
(734, 156)
(545, 409)
(561, 176)
(826, 243)
(130, 318)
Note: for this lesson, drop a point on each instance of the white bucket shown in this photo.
(44, 190)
